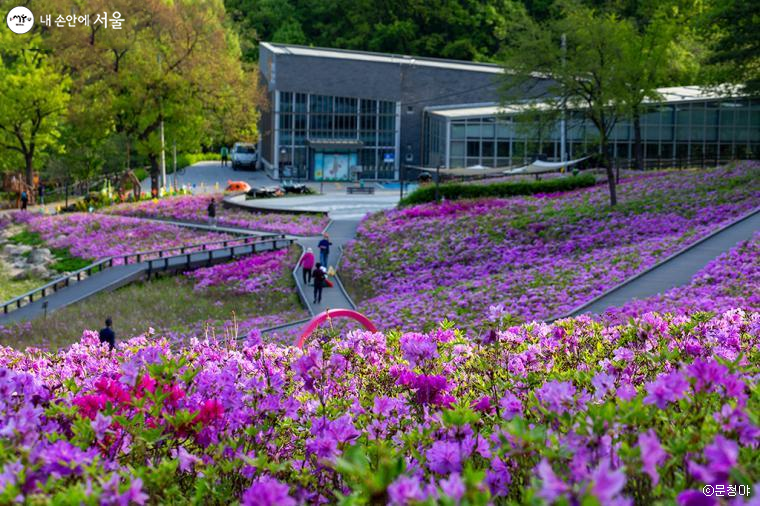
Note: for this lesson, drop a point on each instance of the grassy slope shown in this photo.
(166, 304)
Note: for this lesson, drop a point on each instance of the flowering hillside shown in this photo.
(94, 236)
(194, 208)
(536, 257)
(570, 413)
(731, 280)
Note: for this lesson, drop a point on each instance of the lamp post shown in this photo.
(437, 181)
(283, 161)
(175, 165)
(401, 182)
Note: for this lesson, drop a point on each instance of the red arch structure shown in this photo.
(335, 313)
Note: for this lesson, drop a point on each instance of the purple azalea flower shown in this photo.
(267, 491)
(186, 459)
(556, 396)
(418, 348)
(453, 487)
(607, 483)
(695, 498)
(721, 457)
(134, 494)
(602, 383)
(100, 425)
(404, 490)
(552, 487)
(666, 388)
(652, 454)
(510, 406)
(445, 457)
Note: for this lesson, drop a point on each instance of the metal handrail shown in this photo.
(204, 246)
(108, 262)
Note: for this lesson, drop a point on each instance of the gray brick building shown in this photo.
(336, 114)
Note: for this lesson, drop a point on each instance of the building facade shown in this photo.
(689, 126)
(341, 115)
(336, 115)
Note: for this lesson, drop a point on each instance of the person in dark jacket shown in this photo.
(24, 200)
(107, 334)
(324, 249)
(319, 277)
(212, 213)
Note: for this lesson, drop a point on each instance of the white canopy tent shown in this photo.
(475, 170)
(541, 167)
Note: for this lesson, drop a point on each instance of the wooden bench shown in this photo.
(361, 189)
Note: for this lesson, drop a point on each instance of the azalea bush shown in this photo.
(539, 257)
(251, 274)
(194, 208)
(570, 413)
(94, 236)
(730, 280)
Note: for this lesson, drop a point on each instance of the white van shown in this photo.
(243, 155)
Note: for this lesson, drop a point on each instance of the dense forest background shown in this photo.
(79, 102)
(480, 30)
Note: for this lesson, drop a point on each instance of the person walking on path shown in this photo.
(307, 264)
(212, 213)
(324, 249)
(107, 334)
(319, 283)
(24, 200)
(224, 152)
(41, 190)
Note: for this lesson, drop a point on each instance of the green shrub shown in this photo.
(188, 159)
(64, 261)
(454, 191)
(67, 263)
(27, 237)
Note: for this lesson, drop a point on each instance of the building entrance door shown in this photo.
(334, 165)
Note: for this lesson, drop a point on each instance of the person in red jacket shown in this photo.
(307, 264)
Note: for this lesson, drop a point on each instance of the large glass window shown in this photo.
(681, 132)
(303, 117)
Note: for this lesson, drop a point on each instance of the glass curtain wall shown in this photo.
(307, 117)
(687, 133)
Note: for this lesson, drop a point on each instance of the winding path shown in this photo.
(676, 270)
(121, 275)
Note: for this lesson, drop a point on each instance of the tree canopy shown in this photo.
(172, 62)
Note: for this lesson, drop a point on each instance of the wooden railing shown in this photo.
(156, 260)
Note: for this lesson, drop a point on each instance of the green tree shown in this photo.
(461, 29)
(737, 43)
(651, 58)
(33, 99)
(172, 63)
(587, 76)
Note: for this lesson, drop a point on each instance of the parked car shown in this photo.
(243, 155)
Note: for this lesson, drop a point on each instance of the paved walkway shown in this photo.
(340, 231)
(222, 229)
(677, 270)
(211, 177)
(121, 275)
(338, 205)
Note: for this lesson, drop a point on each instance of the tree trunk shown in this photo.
(610, 172)
(154, 171)
(638, 147)
(29, 157)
